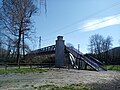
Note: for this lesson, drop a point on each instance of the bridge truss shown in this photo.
(76, 58)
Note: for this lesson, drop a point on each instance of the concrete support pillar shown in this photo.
(59, 52)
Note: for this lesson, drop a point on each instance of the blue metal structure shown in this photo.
(77, 58)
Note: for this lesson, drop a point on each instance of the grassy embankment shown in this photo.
(112, 67)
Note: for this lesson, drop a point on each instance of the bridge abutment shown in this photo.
(59, 52)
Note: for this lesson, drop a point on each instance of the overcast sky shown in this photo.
(77, 20)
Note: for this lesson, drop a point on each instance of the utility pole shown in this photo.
(78, 58)
(78, 47)
(39, 42)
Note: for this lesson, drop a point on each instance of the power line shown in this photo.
(87, 26)
(92, 25)
(94, 14)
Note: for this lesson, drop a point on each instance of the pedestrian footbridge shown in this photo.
(76, 58)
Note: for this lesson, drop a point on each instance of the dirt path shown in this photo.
(107, 80)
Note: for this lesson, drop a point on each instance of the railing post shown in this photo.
(59, 52)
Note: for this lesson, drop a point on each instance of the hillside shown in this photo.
(115, 50)
(111, 56)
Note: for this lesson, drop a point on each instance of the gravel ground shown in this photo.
(106, 80)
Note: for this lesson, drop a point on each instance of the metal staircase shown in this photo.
(89, 60)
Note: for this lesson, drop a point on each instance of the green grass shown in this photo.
(67, 87)
(113, 67)
(23, 70)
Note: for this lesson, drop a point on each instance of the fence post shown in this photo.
(6, 66)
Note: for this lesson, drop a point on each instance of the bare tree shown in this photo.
(95, 45)
(107, 44)
(106, 47)
(98, 44)
(16, 17)
(16, 24)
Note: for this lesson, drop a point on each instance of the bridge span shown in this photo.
(76, 58)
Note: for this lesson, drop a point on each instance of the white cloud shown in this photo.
(95, 24)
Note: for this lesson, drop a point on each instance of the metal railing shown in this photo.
(81, 56)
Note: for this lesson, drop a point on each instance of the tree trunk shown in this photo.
(18, 48)
(23, 46)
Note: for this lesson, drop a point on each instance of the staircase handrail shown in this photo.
(87, 60)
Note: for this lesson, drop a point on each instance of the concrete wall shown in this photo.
(59, 52)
